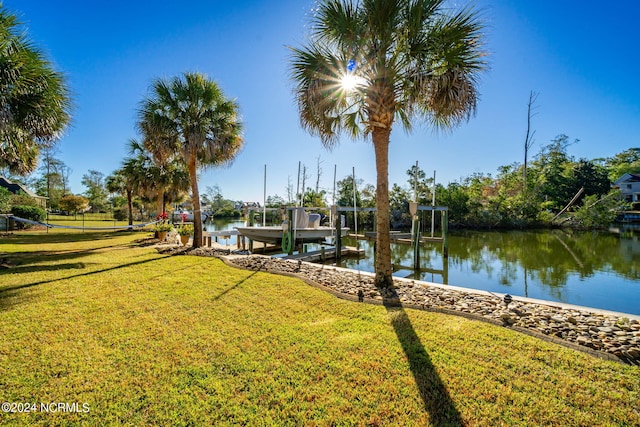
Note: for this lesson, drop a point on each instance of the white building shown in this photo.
(629, 185)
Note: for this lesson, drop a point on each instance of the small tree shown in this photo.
(96, 191)
(599, 212)
(74, 204)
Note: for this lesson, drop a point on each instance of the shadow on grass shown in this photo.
(4, 292)
(435, 397)
(39, 268)
(232, 287)
(30, 262)
(43, 238)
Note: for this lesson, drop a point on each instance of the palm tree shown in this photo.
(118, 183)
(190, 115)
(129, 180)
(34, 101)
(371, 62)
(161, 178)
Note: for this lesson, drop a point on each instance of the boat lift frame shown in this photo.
(416, 237)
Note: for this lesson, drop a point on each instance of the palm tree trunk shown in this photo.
(161, 202)
(195, 196)
(383, 246)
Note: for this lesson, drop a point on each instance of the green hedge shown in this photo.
(33, 213)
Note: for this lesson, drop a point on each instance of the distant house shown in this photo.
(17, 188)
(246, 205)
(629, 185)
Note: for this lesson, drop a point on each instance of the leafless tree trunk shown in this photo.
(65, 175)
(319, 175)
(290, 196)
(528, 141)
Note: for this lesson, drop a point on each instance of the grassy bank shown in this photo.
(147, 339)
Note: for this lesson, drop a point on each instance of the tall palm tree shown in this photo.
(191, 116)
(34, 100)
(370, 62)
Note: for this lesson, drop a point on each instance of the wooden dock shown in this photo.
(396, 237)
(325, 254)
(211, 238)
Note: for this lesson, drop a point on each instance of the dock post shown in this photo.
(338, 241)
(415, 234)
(323, 256)
(291, 235)
(445, 233)
(250, 213)
(416, 244)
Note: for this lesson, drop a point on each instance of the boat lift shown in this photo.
(415, 238)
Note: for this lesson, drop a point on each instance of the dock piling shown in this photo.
(416, 244)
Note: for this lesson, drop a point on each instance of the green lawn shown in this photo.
(148, 339)
(88, 220)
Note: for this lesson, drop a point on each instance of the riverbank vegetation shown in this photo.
(482, 200)
(148, 339)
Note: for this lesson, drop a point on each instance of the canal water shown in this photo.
(593, 269)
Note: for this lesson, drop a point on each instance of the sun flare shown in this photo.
(350, 82)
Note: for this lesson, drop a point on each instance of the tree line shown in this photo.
(484, 200)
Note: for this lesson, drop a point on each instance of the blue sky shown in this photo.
(580, 56)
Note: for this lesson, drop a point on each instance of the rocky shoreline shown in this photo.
(604, 335)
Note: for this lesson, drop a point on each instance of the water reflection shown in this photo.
(596, 269)
(219, 224)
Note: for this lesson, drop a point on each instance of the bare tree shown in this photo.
(290, 196)
(528, 141)
(65, 175)
(304, 183)
(319, 169)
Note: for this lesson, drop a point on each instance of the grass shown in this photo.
(95, 220)
(87, 222)
(148, 339)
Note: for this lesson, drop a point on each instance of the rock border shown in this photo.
(606, 335)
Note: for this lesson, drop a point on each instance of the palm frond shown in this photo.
(35, 103)
(414, 59)
(190, 117)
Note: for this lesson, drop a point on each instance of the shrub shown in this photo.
(32, 213)
(598, 212)
(121, 213)
(5, 200)
(22, 199)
